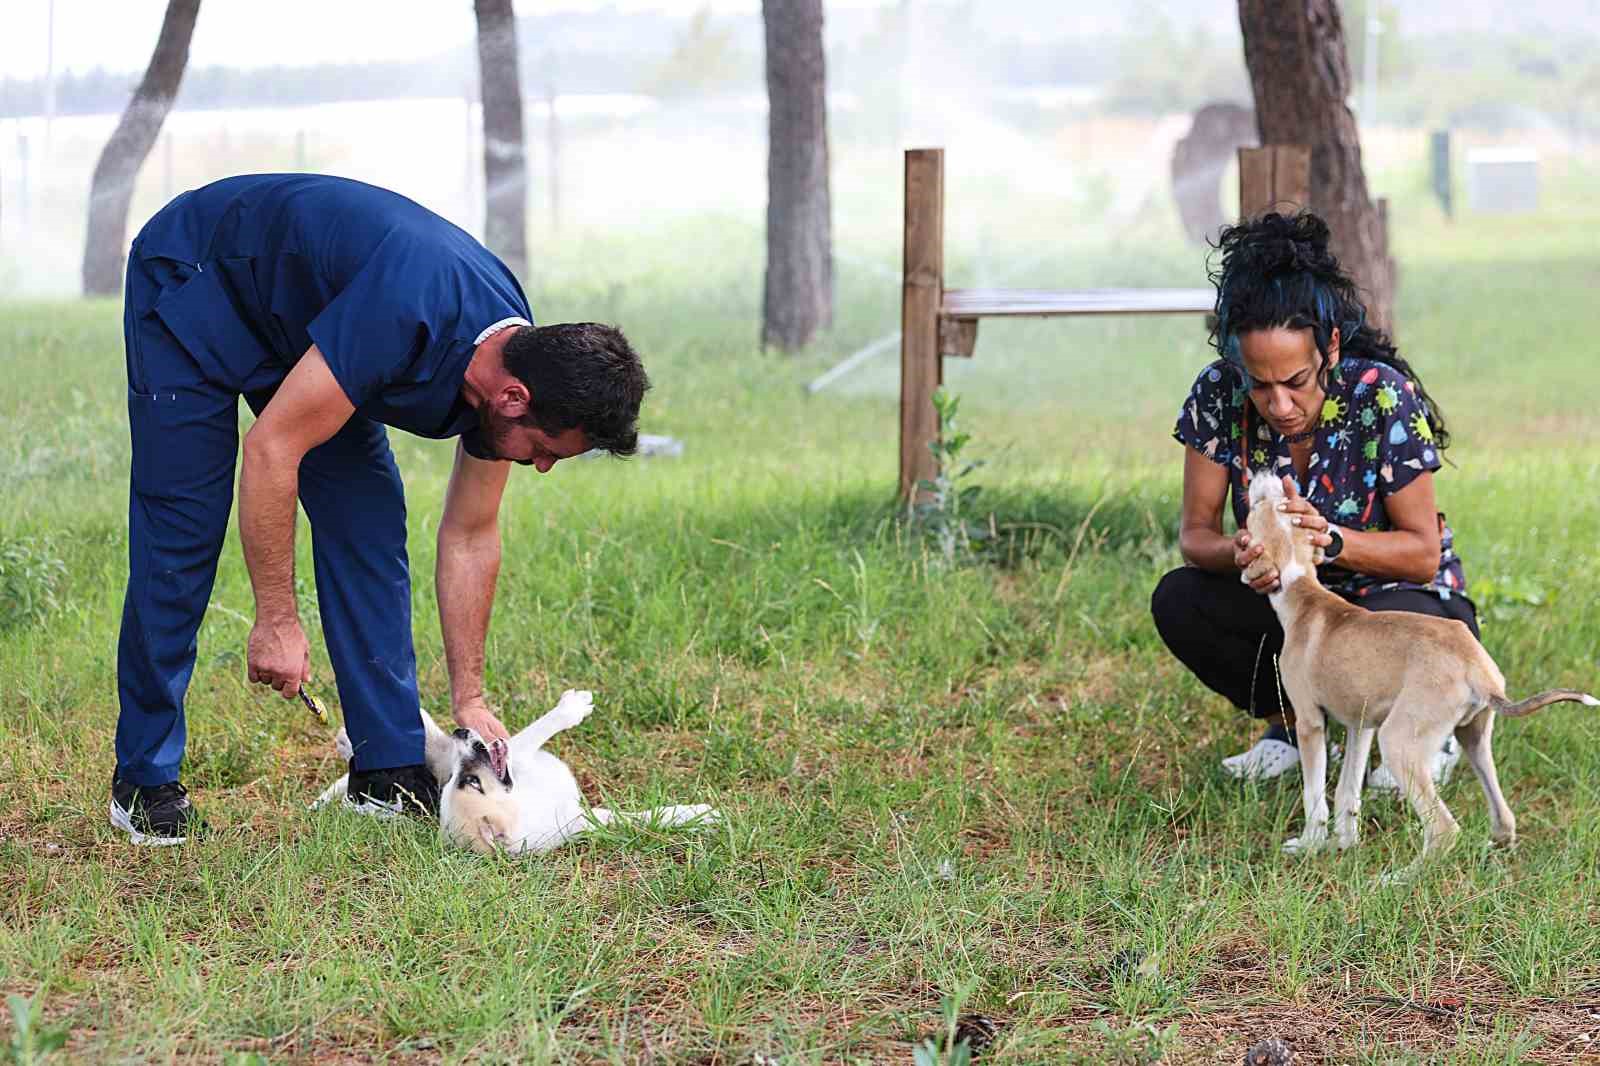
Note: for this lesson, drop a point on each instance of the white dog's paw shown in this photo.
(341, 744)
(699, 813)
(574, 706)
(1348, 836)
(1305, 844)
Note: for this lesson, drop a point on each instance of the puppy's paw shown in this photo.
(1305, 844)
(341, 744)
(574, 706)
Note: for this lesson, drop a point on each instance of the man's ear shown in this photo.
(513, 400)
(1333, 348)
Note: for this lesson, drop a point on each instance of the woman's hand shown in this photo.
(1302, 514)
(1246, 552)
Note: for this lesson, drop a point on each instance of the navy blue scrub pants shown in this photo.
(185, 432)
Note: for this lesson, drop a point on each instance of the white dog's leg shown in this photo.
(334, 793)
(574, 706)
(1312, 733)
(663, 817)
(1347, 796)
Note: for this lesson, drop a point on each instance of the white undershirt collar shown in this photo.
(504, 323)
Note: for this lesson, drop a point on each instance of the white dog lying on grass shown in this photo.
(516, 797)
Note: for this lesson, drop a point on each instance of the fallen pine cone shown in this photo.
(977, 1030)
(1269, 1052)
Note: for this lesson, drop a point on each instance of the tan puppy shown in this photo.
(1409, 679)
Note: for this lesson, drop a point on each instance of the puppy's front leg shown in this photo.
(574, 706)
(1347, 797)
(1313, 736)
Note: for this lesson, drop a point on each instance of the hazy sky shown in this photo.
(118, 34)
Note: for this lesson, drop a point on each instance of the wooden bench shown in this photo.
(936, 322)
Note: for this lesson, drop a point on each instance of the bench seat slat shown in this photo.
(986, 303)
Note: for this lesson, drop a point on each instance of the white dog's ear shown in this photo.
(491, 839)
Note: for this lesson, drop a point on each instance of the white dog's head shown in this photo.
(476, 808)
(1285, 546)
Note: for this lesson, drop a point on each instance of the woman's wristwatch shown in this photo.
(1331, 552)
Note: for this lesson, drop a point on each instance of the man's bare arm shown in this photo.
(464, 578)
(308, 408)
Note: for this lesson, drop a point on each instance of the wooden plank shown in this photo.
(990, 303)
(957, 337)
(922, 286)
(1274, 178)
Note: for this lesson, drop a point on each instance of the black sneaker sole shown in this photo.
(122, 820)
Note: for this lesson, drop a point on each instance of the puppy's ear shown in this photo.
(499, 753)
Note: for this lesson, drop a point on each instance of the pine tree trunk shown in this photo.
(1300, 73)
(798, 300)
(111, 190)
(505, 159)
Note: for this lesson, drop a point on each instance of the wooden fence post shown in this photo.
(1274, 178)
(922, 291)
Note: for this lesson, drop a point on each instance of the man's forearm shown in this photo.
(464, 577)
(268, 488)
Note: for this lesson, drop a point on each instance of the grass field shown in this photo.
(986, 782)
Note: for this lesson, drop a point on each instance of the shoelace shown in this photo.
(168, 795)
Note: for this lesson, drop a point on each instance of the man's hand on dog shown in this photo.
(1300, 513)
(474, 714)
(279, 656)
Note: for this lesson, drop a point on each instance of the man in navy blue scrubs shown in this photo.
(335, 309)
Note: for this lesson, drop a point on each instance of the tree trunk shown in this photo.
(505, 159)
(1300, 74)
(798, 300)
(111, 190)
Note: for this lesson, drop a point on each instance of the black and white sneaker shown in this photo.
(154, 815)
(394, 791)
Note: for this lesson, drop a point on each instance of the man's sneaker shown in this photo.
(1442, 766)
(394, 791)
(1268, 759)
(154, 815)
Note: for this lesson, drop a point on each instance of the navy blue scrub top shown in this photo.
(395, 297)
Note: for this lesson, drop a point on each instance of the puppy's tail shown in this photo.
(1533, 703)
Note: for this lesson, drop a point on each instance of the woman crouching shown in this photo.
(1308, 389)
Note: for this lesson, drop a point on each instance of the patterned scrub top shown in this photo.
(1372, 441)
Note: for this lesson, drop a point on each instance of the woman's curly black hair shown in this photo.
(1276, 271)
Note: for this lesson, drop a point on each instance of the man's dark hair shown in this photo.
(584, 375)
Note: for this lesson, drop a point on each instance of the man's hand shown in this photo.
(476, 716)
(280, 656)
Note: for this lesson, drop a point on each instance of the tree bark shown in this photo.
(1199, 161)
(1300, 74)
(111, 190)
(505, 158)
(798, 298)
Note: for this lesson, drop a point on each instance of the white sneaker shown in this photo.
(1442, 766)
(1268, 759)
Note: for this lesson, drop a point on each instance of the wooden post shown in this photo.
(1274, 178)
(922, 291)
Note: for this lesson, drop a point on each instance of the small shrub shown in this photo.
(945, 502)
(30, 574)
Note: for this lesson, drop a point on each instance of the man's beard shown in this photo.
(496, 431)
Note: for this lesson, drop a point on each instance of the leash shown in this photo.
(314, 705)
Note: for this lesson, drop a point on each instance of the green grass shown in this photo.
(990, 776)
